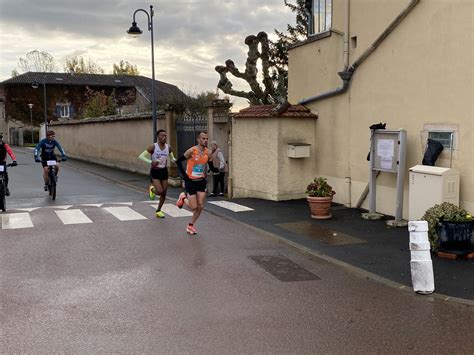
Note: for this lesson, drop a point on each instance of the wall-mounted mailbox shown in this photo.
(298, 150)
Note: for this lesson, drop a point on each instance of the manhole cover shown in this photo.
(283, 268)
(322, 234)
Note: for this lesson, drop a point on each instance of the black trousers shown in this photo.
(218, 180)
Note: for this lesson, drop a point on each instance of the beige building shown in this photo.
(406, 63)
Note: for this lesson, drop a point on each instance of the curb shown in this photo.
(351, 268)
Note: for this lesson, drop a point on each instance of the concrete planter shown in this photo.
(320, 207)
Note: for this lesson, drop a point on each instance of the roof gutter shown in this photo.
(346, 74)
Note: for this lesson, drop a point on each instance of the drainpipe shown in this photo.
(346, 74)
(346, 36)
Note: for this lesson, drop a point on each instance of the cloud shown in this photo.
(191, 36)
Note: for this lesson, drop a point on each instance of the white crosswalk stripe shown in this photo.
(73, 217)
(173, 211)
(65, 207)
(231, 206)
(124, 213)
(16, 221)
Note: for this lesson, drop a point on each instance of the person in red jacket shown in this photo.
(4, 150)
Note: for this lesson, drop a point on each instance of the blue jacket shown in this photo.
(47, 149)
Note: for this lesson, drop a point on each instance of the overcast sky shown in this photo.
(191, 36)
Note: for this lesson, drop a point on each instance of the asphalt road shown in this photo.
(143, 286)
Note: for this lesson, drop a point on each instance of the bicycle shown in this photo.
(52, 178)
(3, 187)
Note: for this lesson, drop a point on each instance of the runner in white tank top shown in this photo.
(158, 152)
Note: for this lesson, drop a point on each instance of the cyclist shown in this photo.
(158, 153)
(4, 149)
(195, 179)
(45, 151)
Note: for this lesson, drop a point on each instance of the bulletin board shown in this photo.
(386, 151)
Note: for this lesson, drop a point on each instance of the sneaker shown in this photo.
(180, 201)
(7, 192)
(221, 194)
(45, 187)
(191, 230)
(151, 192)
(212, 194)
(159, 214)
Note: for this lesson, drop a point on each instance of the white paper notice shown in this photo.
(385, 148)
(386, 164)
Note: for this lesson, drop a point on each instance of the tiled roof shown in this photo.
(162, 89)
(293, 111)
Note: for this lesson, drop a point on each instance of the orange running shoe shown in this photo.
(180, 201)
(191, 230)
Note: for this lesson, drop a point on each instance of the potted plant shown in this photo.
(319, 197)
(449, 228)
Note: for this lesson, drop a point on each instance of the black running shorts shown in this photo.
(192, 187)
(159, 174)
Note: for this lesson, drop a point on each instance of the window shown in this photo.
(63, 110)
(446, 138)
(321, 16)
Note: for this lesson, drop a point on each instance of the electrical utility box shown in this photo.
(429, 186)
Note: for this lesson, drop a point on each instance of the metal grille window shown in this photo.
(446, 138)
(321, 19)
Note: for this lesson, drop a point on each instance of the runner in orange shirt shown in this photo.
(195, 179)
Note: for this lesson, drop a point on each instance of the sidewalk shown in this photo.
(363, 244)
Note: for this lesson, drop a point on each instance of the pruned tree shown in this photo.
(259, 49)
(274, 58)
(36, 61)
(78, 64)
(125, 68)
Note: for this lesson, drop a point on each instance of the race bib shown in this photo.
(51, 162)
(198, 171)
(2, 168)
(162, 162)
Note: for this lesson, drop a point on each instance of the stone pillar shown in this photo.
(218, 128)
(171, 114)
(20, 136)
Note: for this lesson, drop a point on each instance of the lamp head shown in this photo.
(134, 31)
(30, 106)
(35, 85)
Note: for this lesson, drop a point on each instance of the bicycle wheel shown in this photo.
(3, 203)
(53, 191)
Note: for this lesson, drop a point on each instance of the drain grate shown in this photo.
(283, 268)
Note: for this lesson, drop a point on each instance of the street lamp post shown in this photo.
(135, 31)
(35, 85)
(31, 123)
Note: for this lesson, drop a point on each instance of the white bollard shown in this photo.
(421, 265)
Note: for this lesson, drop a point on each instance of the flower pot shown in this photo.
(455, 237)
(320, 207)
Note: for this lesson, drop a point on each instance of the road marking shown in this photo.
(27, 209)
(16, 221)
(231, 206)
(73, 217)
(65, 207)
(124, 213)
(121, 203)
(173, 211)
(91, 204)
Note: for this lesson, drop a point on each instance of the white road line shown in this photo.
(91, 204)
(121, 203)
(73, 217)
(16, 221)
(173, 211)
(65, 207)
(124, 213)
(27, 209)
(231, 206)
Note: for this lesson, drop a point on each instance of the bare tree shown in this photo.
(37, 61)
(259, 48)
(79, 65)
